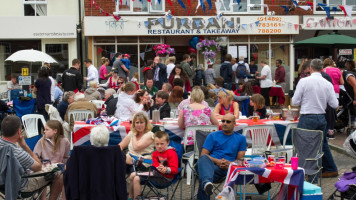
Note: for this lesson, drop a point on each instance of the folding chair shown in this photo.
(288, 148)
(98, 103)
(24, 107)
(189, 156)
(200, 137)
(308, 145)
(16, 93)
(171, 187)
(259, 138)
(7, 185)
(30, 123)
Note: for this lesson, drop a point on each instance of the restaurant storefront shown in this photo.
(254, 37)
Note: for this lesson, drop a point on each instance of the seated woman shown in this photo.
(139, 141)
(68, 98)
(226, 105)
(99, 136)
(92, 92)
(114, 81)
(195, 114)
(126, 107)
(257, 106)
(175, 97)
(140, 96)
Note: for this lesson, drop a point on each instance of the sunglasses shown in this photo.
(120, 82)
(227, 121)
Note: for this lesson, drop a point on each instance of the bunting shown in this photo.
(170, 4)
(209, 4)
(285, 8)
(327, 10)
(306, 8)
(182, 4)
(347, 10)
(310, 4)
(97, 7)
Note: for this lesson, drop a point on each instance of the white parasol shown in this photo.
(31, 55)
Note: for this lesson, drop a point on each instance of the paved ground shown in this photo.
(343, 162)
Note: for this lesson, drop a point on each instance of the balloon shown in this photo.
(191, 43)
(194, 41)
(191, 50)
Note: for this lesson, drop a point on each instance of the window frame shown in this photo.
(35, 2)
(331, 11)
(248, 12)
(150, 10)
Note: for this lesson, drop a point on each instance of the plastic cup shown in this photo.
(282, 159)
(271, 158)
(294, 163)
(255, 118)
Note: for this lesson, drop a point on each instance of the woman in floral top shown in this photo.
(195, 114)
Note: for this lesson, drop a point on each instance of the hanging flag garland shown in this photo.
(310, 4)
(209, 3)
(93, 3)
(285, 8)
(182, 4)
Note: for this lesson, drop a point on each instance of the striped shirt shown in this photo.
(25, 160)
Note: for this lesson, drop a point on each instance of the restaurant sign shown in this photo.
(322, 23)
(344, 52)
(199, 25)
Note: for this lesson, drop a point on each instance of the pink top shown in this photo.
(102, 72)
(46, 152)
(335, 75)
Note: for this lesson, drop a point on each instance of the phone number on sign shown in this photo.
(271, 30)
(273, 19)
(267, 25)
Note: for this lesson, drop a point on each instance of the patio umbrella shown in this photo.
(331, 39)
(31, 55)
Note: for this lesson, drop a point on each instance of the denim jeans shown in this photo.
(318, 122)
(208, 172)
(228, 86)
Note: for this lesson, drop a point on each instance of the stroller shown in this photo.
(346, 186)
(343, 114)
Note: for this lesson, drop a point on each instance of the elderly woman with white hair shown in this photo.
(92, 93)
(99, 136)
(140, 139)
(110, 102)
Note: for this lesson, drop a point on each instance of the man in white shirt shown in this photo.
(266, 81)
(12, 84)
(313, 94)
(93, 74)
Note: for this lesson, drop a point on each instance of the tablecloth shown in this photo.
(81, 131)
(274, 91)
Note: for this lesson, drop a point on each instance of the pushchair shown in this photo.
(346, 186)
(343, 114)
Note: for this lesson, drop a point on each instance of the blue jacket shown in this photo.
(226, 72)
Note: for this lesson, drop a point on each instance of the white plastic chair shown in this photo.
(98, 103)
(191, 157)
(79, 115)
(30, 122)
(288, 148)
(259, 137)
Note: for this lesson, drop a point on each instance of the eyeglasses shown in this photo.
(227, 121)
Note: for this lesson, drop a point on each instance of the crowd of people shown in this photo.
(178, 87)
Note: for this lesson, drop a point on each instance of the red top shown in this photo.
(280, 74)
(222, 111)
(187, 83)
(171, 161)
(113, 85)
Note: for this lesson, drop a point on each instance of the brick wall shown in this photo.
(109, 6)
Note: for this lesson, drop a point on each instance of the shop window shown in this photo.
(105, 39)
(248, 6)
(334, 5)
(60, 53)
(107, 51)
(35, 7)
(141, 6)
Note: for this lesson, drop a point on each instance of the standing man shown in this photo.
(266, 81)
(313, 94)
(121, 68)
(160, 75)
(186, 67)
(226, 72)
(219, 150)
(280, 75)
(253, 66)
(72, 78)
(241, 71)
(93, 74)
